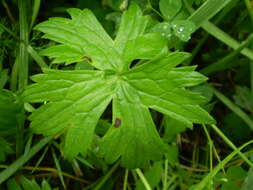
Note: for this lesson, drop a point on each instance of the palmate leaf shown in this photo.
(75, 100)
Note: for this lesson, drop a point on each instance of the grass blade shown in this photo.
(36, 7)
(211, 175)
(59, 170)
(23, 159)
(143, 179)
(37, 57)
(219, 34)
(225, 62)
(207, 11)
(229, 143)
(238, 111)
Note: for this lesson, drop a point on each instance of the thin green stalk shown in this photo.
(5, 174)
(14, 75)
(36, 7)
(250, 10)
(226, 61)
(217, 20)
(234, 108)
(9, 31)
(209, 9)
(172, 179)
(30, 50)
(23, 54)
(225, 38)
(37, 57)
(58, 168)
(106, 177)
(8, 11)
(125, 179)
(229, 143)
(219, 34)
(22, 68)
(211, 174)
(249, 6)
(166, 163)
(251, 77)
(143, 179)
(210, 142)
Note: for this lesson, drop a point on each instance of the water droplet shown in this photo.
(96, 149)
(163, 34)
(181, 29)
(169, 35)
(174, 26)
(165, 27)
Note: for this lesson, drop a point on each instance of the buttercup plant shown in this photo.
(74, 100)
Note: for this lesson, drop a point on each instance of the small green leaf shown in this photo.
(170, 8)
(183, 29)
(164, 28)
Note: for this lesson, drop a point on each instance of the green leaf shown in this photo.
(63, 54)
(132, 25)
(248, 182)
(84, 34)
(27, 184)
(170, 8)
(76, 99)
(144, 47)
(136, 132)
(236, 173)
(172, 129)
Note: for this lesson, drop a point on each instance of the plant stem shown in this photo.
(234, 108)
(106, 177)
(229, 143)
(143, 179)
(166, 163)
(125, 179)
(8, 11)
(250, 10)
(210, 176)
(36, 7)
(23, 63)
(210, 142)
